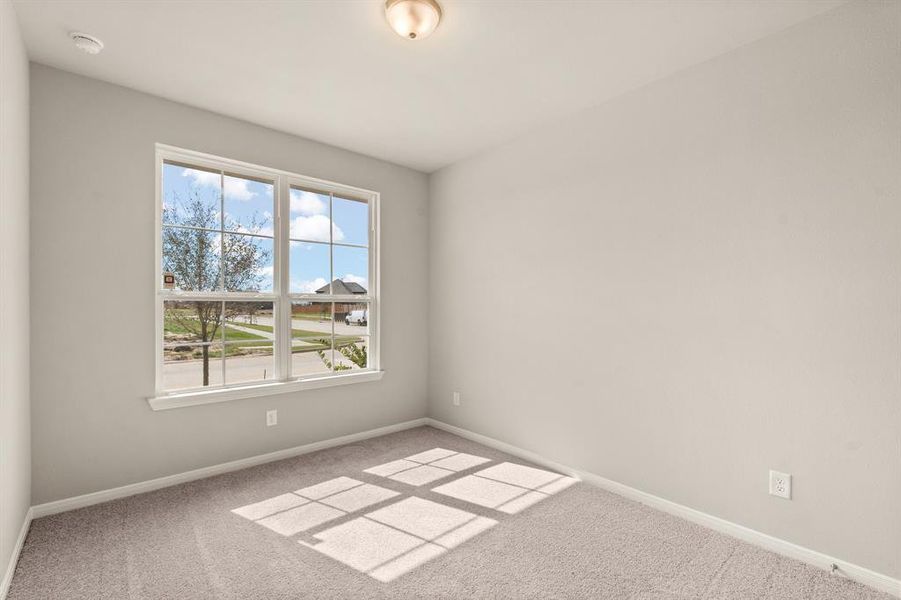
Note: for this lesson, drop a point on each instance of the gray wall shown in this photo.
(15, 431)
(92, 292)
(695, 283)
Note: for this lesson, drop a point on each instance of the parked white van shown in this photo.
(357, 317)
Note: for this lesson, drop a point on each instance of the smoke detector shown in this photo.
(86, 43)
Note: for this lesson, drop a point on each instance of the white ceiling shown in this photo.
(333, 71)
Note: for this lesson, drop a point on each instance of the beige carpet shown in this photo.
(417, 514)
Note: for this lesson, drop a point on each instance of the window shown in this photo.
(264, 278)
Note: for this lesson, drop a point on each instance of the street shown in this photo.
(185, 374)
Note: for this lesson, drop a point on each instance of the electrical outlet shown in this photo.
(781, 485)
(271, 418)
(456, 398)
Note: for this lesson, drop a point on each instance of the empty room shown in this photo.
(453, 299)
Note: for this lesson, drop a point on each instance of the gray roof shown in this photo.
(343, 288)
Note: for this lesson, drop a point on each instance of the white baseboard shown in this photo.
(58, 506)
(857, 573)
(14, 558)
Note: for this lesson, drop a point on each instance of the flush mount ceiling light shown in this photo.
(86, 43)
(413, 19)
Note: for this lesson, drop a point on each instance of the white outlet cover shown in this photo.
(456, 398)
(781, 485)
(271, 418)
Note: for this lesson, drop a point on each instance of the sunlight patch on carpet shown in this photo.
(293, 513)
(396, 539)
(427, 466)
(506, 487)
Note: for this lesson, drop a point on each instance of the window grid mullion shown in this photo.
(331, 252)
(333, 338)
(214, 295)
(222, 325)
(283, 308)
(222, 237)
(303, 241)
(331, 268)
(243, 233)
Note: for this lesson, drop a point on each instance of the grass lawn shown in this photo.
(243, 343)
(294, 332)
(234, 335)
(172, 326)
(240, 349)
(306, 317)
(309, 346)
(340, 340)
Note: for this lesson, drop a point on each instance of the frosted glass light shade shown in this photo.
(413, 19)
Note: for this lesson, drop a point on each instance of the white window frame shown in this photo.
(281, 297)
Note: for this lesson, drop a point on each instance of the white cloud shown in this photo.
(307, 203)
(315, 229)
(233, 224)
(350, 277)
(307, 286)
(202, 178)
(267, 230)
(235, 188)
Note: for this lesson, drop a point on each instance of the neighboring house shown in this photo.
(344, 288)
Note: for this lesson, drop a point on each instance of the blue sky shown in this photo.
(309, 262)
(247, 200)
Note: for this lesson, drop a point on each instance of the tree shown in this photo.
(326, 361)
(203, 260)
(354, 353)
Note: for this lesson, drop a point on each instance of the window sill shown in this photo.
(194, 398)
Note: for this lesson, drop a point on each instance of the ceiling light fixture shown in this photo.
(86, 43)
(413, 19)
